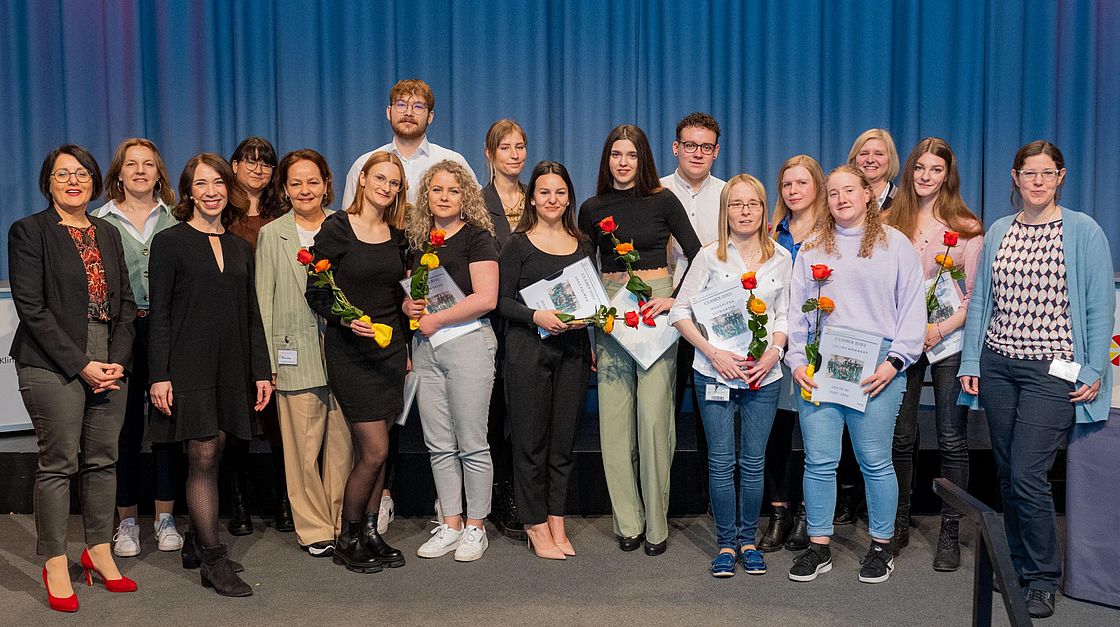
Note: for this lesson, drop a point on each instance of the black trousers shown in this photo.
(546, 386)
(1029, 417)
(784, 468)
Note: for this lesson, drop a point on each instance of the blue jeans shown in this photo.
(872, 433)
(736, 528)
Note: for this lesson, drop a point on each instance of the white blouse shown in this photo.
(773, 288)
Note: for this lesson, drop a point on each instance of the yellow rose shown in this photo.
(413, 324)
(945, 261)
(382, 334)
(757, 306)
(608, 325)
(808, 394)
(430, 260)
(365, 319)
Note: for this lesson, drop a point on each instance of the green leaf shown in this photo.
(639, 288)
(809, 305)
(957, 274)
(762, 319)
(753, 325)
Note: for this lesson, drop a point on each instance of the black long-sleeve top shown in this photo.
(523, 264)
(647, 222)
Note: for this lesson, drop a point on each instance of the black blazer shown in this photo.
(493, 204)
(51, 294)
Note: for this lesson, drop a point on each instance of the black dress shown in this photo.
(205, 334)
(367, 380)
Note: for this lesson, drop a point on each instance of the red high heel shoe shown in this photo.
(124, 584)
(59, 604)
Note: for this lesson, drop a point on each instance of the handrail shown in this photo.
(992, 558)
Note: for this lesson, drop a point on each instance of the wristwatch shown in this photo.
(896, 362)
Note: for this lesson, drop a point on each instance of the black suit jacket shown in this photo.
(493, 204)
(51, 294)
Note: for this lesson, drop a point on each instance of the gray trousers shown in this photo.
(77, 433)
(454, 402)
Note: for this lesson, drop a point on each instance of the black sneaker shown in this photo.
(877, 564)
(1040, 603)
(815, 560)
(324, 548)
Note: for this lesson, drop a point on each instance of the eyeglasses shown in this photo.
(379, 180)
(253, 165)
(63, 176)
(417, 107)
(690, 147)
(1030, 175)
(738, 205)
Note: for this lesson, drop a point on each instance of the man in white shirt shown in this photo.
(696, 149)
(411, 109)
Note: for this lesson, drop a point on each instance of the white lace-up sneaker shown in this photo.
(385, 514)
(473, 544)
(126, 541)
(167, 537)
(443, 541)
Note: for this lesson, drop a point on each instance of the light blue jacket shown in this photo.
(1092, 306)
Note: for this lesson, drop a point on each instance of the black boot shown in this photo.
(239, 522)
(948, 557)
(503, 514)
(284, 520)
(376, 545)
(776, 532)
(798, 539)
(350, 551)
(901, 532)
(217, 573)
(191, 554)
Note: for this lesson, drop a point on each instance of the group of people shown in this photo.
(212, 304)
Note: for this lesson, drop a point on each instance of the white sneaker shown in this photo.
(443, 541)
(473, 544)
(126, 541)
(385, 514)
(167, 537)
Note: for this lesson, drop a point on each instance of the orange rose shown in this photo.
(826, 305)
(757, 306)
(322, 265)
(945, 261)
(624, 248)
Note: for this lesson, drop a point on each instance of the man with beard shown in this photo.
(411, 109)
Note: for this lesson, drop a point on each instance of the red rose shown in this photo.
(304, 257)
(437, 237)
(608, 225)
(648, 321)
(631, 319)
(951, 238)
(749, 281)
(821, 271)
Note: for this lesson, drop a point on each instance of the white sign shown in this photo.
(13, 415)
(644, 343)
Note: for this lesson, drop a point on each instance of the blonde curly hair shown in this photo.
(420, 221)
(874, 230)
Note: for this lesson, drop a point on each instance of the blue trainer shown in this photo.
(724, 564)
(753, 562)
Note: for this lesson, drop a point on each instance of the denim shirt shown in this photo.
(785, 238)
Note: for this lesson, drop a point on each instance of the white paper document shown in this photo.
(847, 357)
(949, 301)
(411, 384)
(442, 294)
(721, 313)
(577, 290)
(645, 344)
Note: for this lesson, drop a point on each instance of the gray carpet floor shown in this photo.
(509, 586)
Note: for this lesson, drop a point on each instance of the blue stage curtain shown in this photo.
(782, 77)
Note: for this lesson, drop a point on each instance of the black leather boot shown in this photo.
(376, 545)
(798, 539)
(901, 532)
(239, 522)
(776, 532)
(191, 554)
(503, 514)
(350, 550)
(284, 522)
(217, 573)
(948, 556)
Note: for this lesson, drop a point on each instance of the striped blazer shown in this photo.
(289, 324)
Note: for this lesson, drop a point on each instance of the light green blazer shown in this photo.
(288, 322)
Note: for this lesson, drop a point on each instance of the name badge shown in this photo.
(1065, 370)
(717, 393)
(286, 357)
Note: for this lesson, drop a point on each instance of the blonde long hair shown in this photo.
(819, 206)
(420, 220)
(874, 231)
(394, 215)
(765, 244)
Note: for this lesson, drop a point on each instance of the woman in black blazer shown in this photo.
(72, 348)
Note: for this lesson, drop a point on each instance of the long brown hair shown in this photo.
(529, 216)
(949, 206)
(646, 182)
(819, 206)
(394, 216)
(874, 231)
(765, 244)
(163, 189)
(236, 202)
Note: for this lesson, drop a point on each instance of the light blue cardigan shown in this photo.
(1092, 306)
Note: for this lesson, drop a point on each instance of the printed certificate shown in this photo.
(721, 314)
(645, 344)
(847, 357)
(442, 294)
(948, 301)
(576, 290)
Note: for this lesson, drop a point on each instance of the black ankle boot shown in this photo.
(948, 557)
(901, 532)
(191, 554)
(798, 539)
(504, 515)
(776, 532)
(284, 522)
(377, 546)
(350, 550)
(217, 573)
(239, 522)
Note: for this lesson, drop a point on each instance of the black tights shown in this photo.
(203, 459)
(371, 446)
